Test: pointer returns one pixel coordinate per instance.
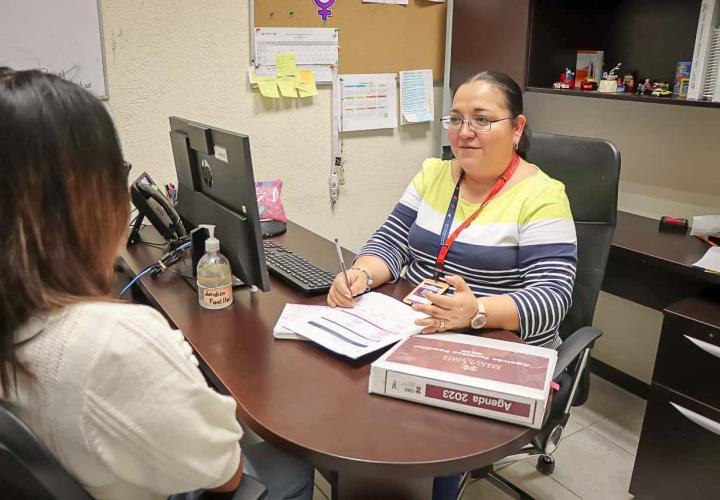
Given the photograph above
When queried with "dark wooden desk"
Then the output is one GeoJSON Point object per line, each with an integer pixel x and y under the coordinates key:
{"type": "Point", "coordinates": [651, 268]}
{"type": "Point", "coordinates": [316, 405]}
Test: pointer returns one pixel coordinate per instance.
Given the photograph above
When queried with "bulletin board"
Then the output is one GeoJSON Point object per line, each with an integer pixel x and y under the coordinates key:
{"type": "Point", "coordinates": [374, 38]}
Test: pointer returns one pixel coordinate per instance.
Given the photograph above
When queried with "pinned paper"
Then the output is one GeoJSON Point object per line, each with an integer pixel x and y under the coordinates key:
{"type": "Point", "coordinates": [286, 64]}
{"type": "Point", "coordinates": [416, 96]}
{"type": "Point", "coordinates": [287, 86]}
{"type": "Point", "coordinates": [251, 75]}
{"type": "Point", "coordinates": [268, 86]}
{"type": "Point", "coordinates": [305, 83]}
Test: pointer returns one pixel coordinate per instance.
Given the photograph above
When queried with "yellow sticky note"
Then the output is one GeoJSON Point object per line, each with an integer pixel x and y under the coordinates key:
{"type": "Point", "coordinates": [287, 86]}
{"type": "Point", "coordinates": [305, 83]}
{"type": "Point", "coordinates": [268, 86]}
{"type": "Point", "coordinates": [251, 75]}
{"type": "Point", "coordinates": [285, 64]}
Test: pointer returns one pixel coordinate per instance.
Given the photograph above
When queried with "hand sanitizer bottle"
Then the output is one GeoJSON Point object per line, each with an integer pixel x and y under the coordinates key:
{"type": "Point", "coordinates": [214, 278]}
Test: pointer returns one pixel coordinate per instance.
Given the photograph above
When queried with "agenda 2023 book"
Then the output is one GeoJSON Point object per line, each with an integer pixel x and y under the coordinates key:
{"type": "Point", "coordinates": [507, 381]}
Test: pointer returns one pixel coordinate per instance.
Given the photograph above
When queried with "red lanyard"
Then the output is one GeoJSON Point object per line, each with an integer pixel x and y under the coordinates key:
{"type": "Point", "coordinates": [449, 240]}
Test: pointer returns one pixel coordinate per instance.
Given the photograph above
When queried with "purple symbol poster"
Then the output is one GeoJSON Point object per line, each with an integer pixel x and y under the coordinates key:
{"type": "Point", "coordinates": [324, 7]}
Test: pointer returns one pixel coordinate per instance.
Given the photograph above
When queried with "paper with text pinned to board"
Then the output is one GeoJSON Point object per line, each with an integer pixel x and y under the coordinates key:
{"type": "Point", "coordinates": [310, 45]}
{"type": "Point", "coordinates": [287, 86]}
{"type": "Point", "coordinates": [416, 96]}
{"type": "Point", "coordinates": [376, 321]}
{"type": "Point", "coordinates": [368, 101]}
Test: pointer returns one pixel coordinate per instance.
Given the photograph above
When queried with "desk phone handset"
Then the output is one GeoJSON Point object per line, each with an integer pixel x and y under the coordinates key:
{"type": "Point", "coordinates": [150, 202]}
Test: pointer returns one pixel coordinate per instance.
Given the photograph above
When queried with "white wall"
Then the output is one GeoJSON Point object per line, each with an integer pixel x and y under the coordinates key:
{"type": "Point", "coordinates": [670, 166]}
{"type": "Point", "coordinates": [190, 59]}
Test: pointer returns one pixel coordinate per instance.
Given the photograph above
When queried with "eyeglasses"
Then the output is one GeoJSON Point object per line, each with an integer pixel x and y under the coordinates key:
{"type": "Point", "coordinates": [478, 123]}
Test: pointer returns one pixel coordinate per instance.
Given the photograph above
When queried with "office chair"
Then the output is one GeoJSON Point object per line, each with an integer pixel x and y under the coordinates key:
{"type": "Point", "coordinates": [29, 470]}
{"type": "Point", "coordinates": [590, 170]}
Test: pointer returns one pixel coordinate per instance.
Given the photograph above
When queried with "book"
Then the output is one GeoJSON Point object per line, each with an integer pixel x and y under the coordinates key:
{"type": "Point", "coordinates": [708, 19]}
{"type": "Point", "coordinates": [375, 322]}
{"type": "Point", "coordinates": [589, 63]}
{"type": "Point", "coordinates": [503, 380]}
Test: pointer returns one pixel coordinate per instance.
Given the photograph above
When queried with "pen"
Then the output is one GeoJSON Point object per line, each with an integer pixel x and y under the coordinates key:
{"type": "Point", "coordinates": [342, 264]}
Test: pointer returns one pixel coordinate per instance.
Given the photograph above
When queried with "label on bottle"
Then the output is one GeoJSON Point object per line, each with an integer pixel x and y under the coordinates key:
{"type": "Point", "coordinates": [216, 297]}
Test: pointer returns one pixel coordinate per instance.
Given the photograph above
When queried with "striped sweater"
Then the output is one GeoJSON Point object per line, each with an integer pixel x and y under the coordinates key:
{"type": "Point", "coordinates": [522, 244]}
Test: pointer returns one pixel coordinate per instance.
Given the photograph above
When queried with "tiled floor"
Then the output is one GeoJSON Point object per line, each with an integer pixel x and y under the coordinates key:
{"type": "Point", "coordinates": [594, 459]}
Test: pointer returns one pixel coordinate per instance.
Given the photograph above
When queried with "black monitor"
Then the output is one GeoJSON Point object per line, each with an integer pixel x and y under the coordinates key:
{"type": "Point", "coordinates": [216, 186]}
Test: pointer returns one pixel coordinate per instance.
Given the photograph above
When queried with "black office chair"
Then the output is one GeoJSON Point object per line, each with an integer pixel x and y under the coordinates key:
{"type": "Point", "coordinates": [590, 170]}
{"type": "Point", "coordinates": [29, 470]}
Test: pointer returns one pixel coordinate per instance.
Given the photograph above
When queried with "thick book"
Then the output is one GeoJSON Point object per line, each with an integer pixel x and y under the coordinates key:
{"type": "Point", "coordinates": [507, 381]}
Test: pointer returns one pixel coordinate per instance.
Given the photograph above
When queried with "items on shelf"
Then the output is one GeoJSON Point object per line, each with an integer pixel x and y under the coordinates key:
{"type": "Point", "coordinates": [588, 67]}
{"type": "Point", "coordinates": [609, 82]}
{"type": "Point", "coordinates": [682, 78]}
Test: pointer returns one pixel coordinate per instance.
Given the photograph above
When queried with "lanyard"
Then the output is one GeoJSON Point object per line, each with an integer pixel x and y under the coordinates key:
{"type": "Point", "coordinates": [447, 241]}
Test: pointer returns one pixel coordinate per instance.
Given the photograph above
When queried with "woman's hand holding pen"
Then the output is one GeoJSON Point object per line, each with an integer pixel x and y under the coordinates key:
{"type": "Point", "coordinates": [448, 311]}
{"type": "Point", "coordinates": [339, 295]}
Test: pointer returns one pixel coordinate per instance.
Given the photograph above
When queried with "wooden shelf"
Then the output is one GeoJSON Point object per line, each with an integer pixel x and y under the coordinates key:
{"type": "Point", "coordinates": [680, 101]}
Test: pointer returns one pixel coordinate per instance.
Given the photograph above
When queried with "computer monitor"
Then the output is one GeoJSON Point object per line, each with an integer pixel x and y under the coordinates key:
{"type": "Point", "coordinates": [216, 186]}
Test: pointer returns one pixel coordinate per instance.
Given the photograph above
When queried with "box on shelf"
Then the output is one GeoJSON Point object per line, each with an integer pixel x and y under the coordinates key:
{"type": "Point", "coordinates": [589, 63]}
{"type": "Point", "coordinates": [507, 381]}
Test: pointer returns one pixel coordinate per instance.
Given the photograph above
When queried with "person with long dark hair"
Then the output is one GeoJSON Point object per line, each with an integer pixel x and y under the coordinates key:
{"type": "Point", "coordinates": [109, 387]}
{"type": "Point", "coordinates": [491, 224]}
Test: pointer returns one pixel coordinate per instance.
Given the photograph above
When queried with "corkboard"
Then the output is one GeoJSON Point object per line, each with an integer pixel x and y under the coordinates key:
{"type": "Point", "coordinates": [374, 38]}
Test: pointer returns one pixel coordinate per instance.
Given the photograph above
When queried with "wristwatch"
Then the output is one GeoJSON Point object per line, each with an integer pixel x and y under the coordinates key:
{"type": "Point", "coordinates": [368, 279]}
{"type": "Point", "coordinates": [480, 319]}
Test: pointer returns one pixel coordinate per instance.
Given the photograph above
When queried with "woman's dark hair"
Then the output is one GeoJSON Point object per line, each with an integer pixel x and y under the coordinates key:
{"type": "Point", "coordinates": [513, 99]}
{"type": "Point", "coordinates": [64, 203]}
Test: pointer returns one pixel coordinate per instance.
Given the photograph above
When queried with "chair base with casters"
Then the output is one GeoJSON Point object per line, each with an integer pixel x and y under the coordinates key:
{"type": "Point", "coordinates": [571, 369]}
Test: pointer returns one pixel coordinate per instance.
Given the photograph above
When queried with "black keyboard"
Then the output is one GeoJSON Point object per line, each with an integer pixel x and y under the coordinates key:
{"type": "Point", "coordinates": [295, 270]}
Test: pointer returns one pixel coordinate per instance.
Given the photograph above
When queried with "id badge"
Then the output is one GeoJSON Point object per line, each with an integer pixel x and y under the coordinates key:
{"type": "Point", "coordinates": [417, 296]}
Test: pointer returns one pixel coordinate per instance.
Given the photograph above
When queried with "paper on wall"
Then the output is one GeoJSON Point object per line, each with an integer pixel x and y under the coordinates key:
{"type": "Point", "coordinates": [310, 45]}
{"type": "Point", "coordinates": [285, 64]}
{"type": "Point", "coordinates": [305, 83]}
{"type": "Point", "coordinates": [287, 86]}
{"type": "Point", "coordinates": [322, 74]}
{"type": "Point", "coordinates": [368, 101]}
{"type": "Point", "coordinates": [416, 96]}
{"type": "Point", "coordinates": [268, 86]}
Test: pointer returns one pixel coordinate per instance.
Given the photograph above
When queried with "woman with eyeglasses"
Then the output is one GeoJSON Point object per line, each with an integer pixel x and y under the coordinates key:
{"type": "Point", "coordinates": [112, 391]}
{"type": "Point", "coordinates": [489, 223]}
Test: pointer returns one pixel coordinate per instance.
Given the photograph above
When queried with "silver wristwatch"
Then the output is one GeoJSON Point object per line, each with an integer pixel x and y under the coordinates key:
{"type": "Point", "coordinates": [480, 319]}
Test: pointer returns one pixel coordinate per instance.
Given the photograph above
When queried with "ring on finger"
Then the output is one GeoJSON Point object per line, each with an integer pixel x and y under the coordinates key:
{"type": "Point", "coordinates": [441, 323]}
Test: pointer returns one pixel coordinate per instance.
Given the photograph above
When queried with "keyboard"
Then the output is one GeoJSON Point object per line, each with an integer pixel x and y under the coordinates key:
{"type": "Point", "coordinates": [295, 270]}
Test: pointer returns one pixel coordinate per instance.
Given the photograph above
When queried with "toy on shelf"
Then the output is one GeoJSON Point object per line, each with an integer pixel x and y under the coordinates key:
{"type": "Point", "coordinates": [567, 80]}
{"type": "Point", "coordinates": [609, 82]}
{"type": "Point", "coordinates": [589, 84]}
{"type": "Point", "coordinates": [629, 83]}
{"type": "Point", "coordinates": [661, 90]}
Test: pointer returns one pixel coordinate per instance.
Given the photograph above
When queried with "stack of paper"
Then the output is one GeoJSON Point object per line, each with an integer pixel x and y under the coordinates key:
{"type": "Point", "coordinates": [376, 321]}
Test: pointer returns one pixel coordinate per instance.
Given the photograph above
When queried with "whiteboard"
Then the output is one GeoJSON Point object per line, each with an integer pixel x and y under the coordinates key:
{"type": "Point", "coordinates": [63, 37]}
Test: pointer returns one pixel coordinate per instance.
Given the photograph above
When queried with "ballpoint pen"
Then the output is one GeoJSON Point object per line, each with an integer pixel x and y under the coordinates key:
{"type": "Point", "coordinates": [342, 264]}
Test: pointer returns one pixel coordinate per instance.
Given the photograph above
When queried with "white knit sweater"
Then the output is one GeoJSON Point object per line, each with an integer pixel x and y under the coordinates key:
{"type": "Point", "coordinates": [118, 399]}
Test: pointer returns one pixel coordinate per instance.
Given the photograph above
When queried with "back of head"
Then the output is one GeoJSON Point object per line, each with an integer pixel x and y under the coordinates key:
{"type": "Point", "coordinates": [63, 200]}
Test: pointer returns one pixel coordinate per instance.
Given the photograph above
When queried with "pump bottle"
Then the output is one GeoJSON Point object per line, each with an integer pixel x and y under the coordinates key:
{"type": "Point", "coordinates": [214, 277]}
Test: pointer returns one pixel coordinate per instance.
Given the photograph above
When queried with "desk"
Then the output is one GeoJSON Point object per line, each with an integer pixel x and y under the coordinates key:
{"type": "Point", "coordinates": [316, 405]}
{"type": "Point", "coordinates": [651, 268]}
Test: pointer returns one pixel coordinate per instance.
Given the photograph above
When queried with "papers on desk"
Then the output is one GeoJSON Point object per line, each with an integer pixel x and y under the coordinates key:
{"type": "Point", "coordinates": [703, 225]}
{"type": "Point", "coordinates": [711, 260]}
{"type": "Point", "coordinates": [375, 322]}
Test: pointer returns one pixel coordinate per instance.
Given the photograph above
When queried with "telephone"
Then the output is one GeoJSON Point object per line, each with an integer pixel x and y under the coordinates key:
{"type": "Point", "coordinates": [150, 202]}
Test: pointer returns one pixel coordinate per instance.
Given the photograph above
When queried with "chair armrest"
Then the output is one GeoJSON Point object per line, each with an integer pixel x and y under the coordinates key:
{"type": "Point", "coordinates": [573, 346]}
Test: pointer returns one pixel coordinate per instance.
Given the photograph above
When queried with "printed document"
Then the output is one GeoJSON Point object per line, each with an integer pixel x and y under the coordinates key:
{"type": "Point", "coordinates": [310, 45]}
{"type": "Point", "coordinates": [368, 101]}
{"type": "Point", "coordinates": [711, 260]}
{"type": "Point", "coordinates": [295, 312]}
{"type": "Point", "coordinates": [375, 322]}
{"type": "Point", "coordinates": [416, 96]}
